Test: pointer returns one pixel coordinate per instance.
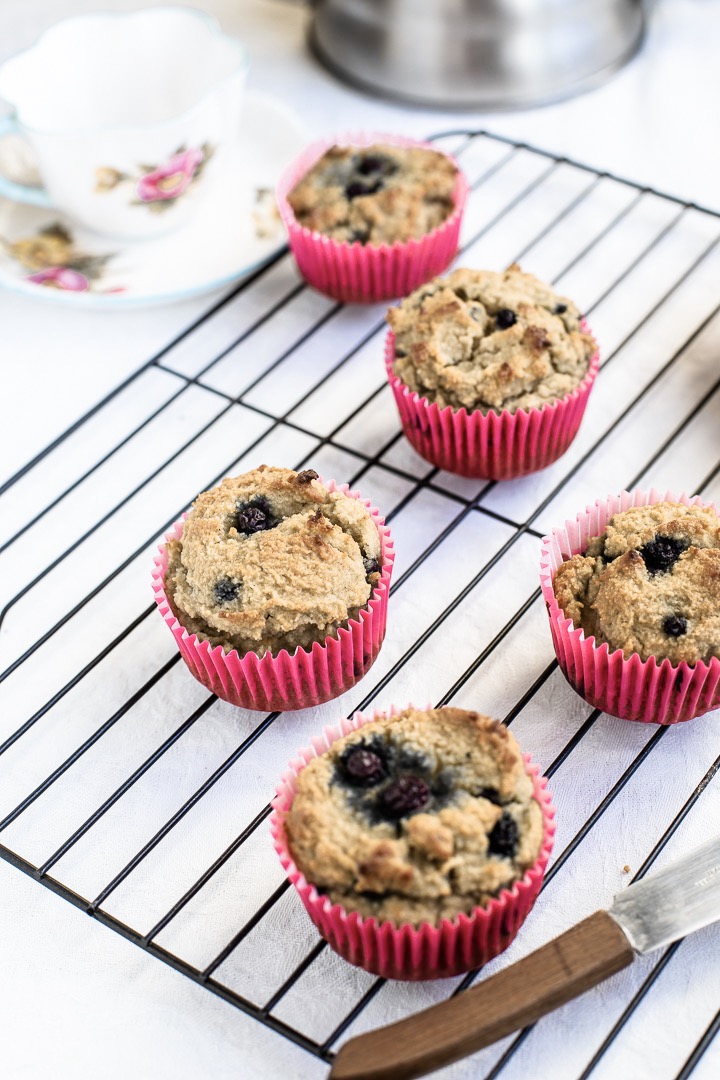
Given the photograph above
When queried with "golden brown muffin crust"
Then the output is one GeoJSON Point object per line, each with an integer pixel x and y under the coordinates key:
{"type": "Point", "coordinates": [489, 341]}
{"type": "Point", "coordinates": [271, 560]}
{"type": "Point", "coordinates": [416, 817]}
{"type": "Point", "coordinates": [377, 194]}
{"type": "Point", "coordinates": [650, 584]}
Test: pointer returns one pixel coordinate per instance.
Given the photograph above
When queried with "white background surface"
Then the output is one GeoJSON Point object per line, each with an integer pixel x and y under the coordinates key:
{"type": "Point", "coordinates": [75, 999]}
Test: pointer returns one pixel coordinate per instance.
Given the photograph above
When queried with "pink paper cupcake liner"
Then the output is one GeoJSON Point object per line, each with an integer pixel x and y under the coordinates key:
{"type": "Point", "coordinates": [363, 273]}
{"type": "Point", "coordinates": [496, 446]}
{"type": "Point", "coordinates": [406, 951]}
{"type": "Point", "coordinates": [299, 680]}
{"type": "Point", "coordinates": [650, 691]}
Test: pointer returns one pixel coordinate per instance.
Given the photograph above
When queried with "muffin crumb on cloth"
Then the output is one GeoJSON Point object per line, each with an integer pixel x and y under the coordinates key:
{"type": "Point", "coordinates": [272, 560]}
{"type": "Point", "coordinates": [416, 817]}
{"type": "Point", "coordinates": [489, 341]}
{"type": "Point", "coordinates": [649, 584]}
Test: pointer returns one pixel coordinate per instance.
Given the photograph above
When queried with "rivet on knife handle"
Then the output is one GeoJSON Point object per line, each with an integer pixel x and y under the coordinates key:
{"type": "Point", "coordinates": [568, 965]}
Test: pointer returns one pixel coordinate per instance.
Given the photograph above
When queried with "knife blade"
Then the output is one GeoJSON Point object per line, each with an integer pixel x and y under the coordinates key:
{"type": "Point", "coordinates": [655, 911]}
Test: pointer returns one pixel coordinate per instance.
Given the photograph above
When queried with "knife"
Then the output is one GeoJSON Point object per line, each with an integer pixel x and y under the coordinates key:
{"type": "Point", "coordinates": [648, 914]}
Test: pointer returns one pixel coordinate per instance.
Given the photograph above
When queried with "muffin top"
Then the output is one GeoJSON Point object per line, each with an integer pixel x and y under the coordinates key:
{"type": "Point", "coordinates": [272, 560]}
{"type": "Point", "coordinates": [478, 339]}
{"type": "Point", "coordinates": [650, 584]}
{"type": "Point", "coordinates": [416, 817]}
{"type": "Point", "coordinates": [376, 194]}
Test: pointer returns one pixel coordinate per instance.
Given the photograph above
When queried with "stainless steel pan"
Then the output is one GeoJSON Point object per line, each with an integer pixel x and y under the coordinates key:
{"type": "Point", "coordinates": [476, 53]}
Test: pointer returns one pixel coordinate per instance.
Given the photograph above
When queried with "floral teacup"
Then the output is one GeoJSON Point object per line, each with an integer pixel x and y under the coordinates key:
{"type": "Point", "coordinates": [127, 116]}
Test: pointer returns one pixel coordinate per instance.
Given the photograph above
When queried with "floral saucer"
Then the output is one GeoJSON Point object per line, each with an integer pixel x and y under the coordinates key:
{"type": "Point", "coordinates": [44, 254]}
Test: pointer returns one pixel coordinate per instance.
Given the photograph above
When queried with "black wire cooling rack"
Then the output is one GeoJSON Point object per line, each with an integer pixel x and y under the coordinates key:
{"type": "Point", "coordinates": [130, 792]}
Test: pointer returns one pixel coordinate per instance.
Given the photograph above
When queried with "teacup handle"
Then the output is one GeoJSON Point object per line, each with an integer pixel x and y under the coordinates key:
{"type": "Point", "coordinates": [26, 193]}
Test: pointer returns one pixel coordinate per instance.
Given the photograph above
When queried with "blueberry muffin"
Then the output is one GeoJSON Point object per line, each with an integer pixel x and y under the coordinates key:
{"type": "Point", "coordinates": [378, 194]}
{"type": "Point", "coordinates": [272, 560]}
{"type": "Point", "coordinates": [650, 584]}
{"type": "Point", "coordinates": [416, 817]}
{"type": "Point", "coordinates": [488, 341]}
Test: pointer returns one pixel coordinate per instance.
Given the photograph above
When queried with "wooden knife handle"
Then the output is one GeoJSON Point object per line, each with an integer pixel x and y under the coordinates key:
{"type": "Point", "coordinates": [568, 965]}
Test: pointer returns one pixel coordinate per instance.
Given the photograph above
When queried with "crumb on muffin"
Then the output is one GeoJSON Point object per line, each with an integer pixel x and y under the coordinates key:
{"type": "Point", "coordinates": [272, 560]}
{"type": "Point", "coordinates": [489, 341]}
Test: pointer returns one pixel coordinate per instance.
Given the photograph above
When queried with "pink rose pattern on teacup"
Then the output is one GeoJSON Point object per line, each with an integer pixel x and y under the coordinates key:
{"type": "Point", "coordinates": [159, 186]}
{"type": "Point", "coordinates": [171, 179]}
{"type": "Point", "coordinates": [55, 262]}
